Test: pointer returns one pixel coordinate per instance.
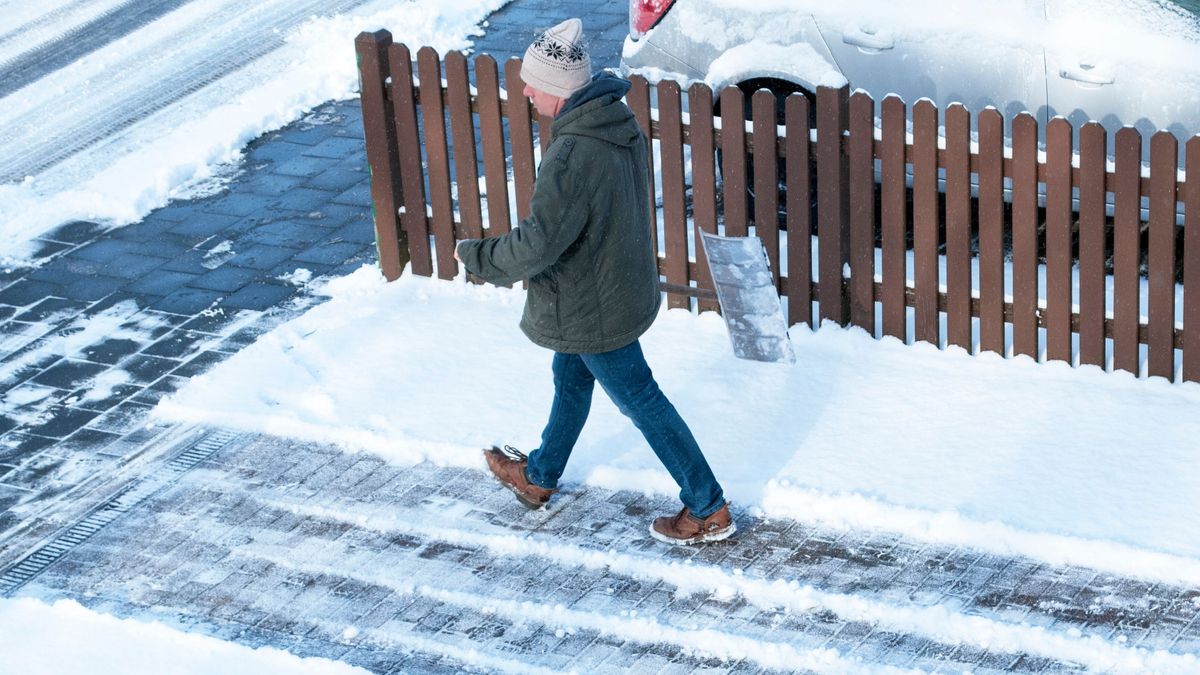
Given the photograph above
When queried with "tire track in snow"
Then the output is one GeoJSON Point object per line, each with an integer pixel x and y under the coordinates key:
{"type": "Point", "coordinates": [164, 62]}
{"type": "Point", "coordinates": [80, 41]}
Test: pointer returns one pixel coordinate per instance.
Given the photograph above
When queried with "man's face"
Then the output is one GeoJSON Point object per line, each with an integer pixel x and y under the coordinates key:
{"type": "Point", "coordinates": [546, 104]}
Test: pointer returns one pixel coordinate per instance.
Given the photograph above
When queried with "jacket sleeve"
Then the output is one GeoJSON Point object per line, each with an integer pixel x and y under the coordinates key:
{"type": "Point", "coordinates": [558, 213]}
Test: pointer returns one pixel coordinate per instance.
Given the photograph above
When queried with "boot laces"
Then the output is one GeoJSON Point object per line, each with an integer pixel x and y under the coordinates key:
{"type": "Point", "coordinates": [514, 453]}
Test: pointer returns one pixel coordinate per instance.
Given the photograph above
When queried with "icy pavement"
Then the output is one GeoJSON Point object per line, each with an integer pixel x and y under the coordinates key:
{"type": "Point", "coordinates": [318, 552]}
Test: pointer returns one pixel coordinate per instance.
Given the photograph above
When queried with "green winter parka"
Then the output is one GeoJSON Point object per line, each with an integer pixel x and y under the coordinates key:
{"type": "Point", "coordinates": [585, 247]}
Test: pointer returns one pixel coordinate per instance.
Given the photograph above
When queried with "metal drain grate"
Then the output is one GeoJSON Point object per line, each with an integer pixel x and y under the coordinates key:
{"type": "Point", "coordinates": [33, 564]}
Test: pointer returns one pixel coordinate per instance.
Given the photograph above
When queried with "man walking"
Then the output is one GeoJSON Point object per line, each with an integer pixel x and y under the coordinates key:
{"type": "Point", "coordinates": [593, 284]}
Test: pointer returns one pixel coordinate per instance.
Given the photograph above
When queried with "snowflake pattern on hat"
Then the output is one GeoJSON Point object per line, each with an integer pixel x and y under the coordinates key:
{"type": "Point", "coordinates": [557, 50]}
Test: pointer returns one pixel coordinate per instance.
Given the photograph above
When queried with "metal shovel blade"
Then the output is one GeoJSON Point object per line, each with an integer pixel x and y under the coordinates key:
{"type": "Point", "coordinates": [749, 300]}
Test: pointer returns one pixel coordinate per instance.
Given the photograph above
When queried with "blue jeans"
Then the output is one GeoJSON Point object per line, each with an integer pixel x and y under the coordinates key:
{"type": "Point", "coordinates": [627, 380]}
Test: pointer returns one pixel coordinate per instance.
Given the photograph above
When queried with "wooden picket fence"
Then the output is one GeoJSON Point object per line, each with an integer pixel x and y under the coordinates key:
{"type": "Point", "coordinates": [875, 193]}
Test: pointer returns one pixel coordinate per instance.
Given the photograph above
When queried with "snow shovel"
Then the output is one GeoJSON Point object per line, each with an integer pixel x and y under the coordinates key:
{"type": "Point", "coordinates": [749, 300]}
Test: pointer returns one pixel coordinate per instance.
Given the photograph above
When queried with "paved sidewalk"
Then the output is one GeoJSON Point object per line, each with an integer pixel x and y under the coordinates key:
{"type": "Point", "coordinates": [428, 569]}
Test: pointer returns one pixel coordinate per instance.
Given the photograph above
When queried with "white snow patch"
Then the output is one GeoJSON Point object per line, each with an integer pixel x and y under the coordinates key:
{"type": "Point", "coordinates": [45, 639]}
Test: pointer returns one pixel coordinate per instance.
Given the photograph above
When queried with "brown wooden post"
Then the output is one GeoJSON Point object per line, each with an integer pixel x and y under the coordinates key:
{"type": "Point", "coordinates": [638, 99]}
{"type": "Point", "coordinates": [412, 173]}
{"type": "Point", "coordinates": [704, 182]}
{"type": "Point", "coordinates": [799, 210]}
{"type": "Point", "coordinates": [1058, 240]}
{"type": "Point", "coordinates": [1126, 251]}
{"type": "Point", "coordinates": [462, 131]}
{"type": "Point", "coordinates": [861, 152]}
{"type": "Point", "coordinates": [520, 130]}
{"type": "Point", "coordinates": [958, 226]}
{"type": "Point", "coordinates": [1093, 144]}
{"type": "Point", "coordinates": [925, 222]}
{"type": "Point", "coordinates": [1025, 236]}
{"type": "Point", "coordinates": [733, 161]}
{"type": "Point", "coordinates": [1164, 160]}
{"type": "Point", "coordinates": [437, 162]}
{"type": "Point", "coordinates": [1191, 265]}
{"type": "Point", "coordinates": [670, 129]}
{"type": "Point", "coordinates": [833, 202]}
{"type": "Point", "coordinates": [766, 177]}
{"type": "Point", "coordinates": [491, 130]}
{"type": "Point", "coordinates": [894, 217]}
{"type": "Point", "coordinates": [379, 127]}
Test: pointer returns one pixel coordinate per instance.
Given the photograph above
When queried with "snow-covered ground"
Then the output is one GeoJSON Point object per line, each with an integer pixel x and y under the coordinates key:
{"type": "Point", "coordinates": [99, 644]}
{"type": "Point", "coordinates": [1067, 465]}
{"type": "Point", "coordinates": [161, 111]}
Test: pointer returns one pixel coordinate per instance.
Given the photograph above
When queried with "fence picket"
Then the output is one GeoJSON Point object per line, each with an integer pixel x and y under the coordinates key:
{"type": "Point", "coordinates": [1191, 265]}
{"type": "Point", "coordinates": [833, 221]}
{"type": "Point", "coordinates": [638, 99]}
{"type": "Point", "coordinates": [1025, 236]}
{"type": "Point", "coordinates": [491, 131]}
{"type": "Point", "coordinates": [799, 210]}
{"type": "Point", "coordinates": [766, 177]}
{"type": "Point", "coordinates": [462, 133]}
{"type": "Point", "coordinates": [670, 129]}
{"type": "Point", "coordinates": [1126, 253]}
{"type": "Point", "coordinates": [1164, 158]}
{"type": "Point", "coordinates": [383, 155]}
{"type": "Point", "coordinates": [412, 175]}
{"type": "Point", "coordinates": [862, 211]}
{"type": "Point", "coordinates": [958, 226]}
{"type": "Point", "coordinates": [520, 137]}
{"type": "Point", "coordinates": [733, 161]}
{"type": "Point", "coordinates": [1058, 240]}
{"type": "Point", "coordinates": [991, 231]}
{"type": "Point", "coordinates": [704, 185]}
{"type": "Point", "coordinates": [894, 213]}
{"type": "Point", "coordinates": [1093, 143]}
{"type": "Point", "coordinates": [925, 221]}
{"type": "Point", "coordinates": [437, 162]}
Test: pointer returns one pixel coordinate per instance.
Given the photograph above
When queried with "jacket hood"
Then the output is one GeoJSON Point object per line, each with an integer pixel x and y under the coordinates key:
{"type": "Point", "coordinates": [597, 111]}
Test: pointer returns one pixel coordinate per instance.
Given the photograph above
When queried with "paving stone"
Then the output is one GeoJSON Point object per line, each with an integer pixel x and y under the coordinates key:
{"type": "Point", "coordinates": [122, 419]}
{"type": "Point", "coordinates": [70, 374]}
{"type": "Point", "coordinates": [330, 252]}
{"type": "Point", "coordinates": [146, 369]}
{"type": "Point", "coordinates": [226, 278]}
{"type": "Point", "coordinates": [179, 343]}
{"type": "Point", "coordinates": [92, 288]}
{"type": "Point", "coordinates": [336, 148]}
{"type": "Point", "coordinates": [102, 399]}
{"type": "Point", "coordinates": [286, 234]}
{"type": "Point", "coordinates": [336, 180]}
{"type": "Point", "coordinates": [358, 195]}
{"type": "Point", "coordinates": [258, 296]}
{"type": "Point", "coordinates": [162, 282]}
{"type": "Point", "coordinates": [130, 265]}
{"type": "Point", "coordinates": [24, 293]}
{"type": "Point", "coordinates": [205, 224]}
{"type": "Point", "coordinates": [187, 301]}
{"type": "Point", "coordinates": [61, 421]}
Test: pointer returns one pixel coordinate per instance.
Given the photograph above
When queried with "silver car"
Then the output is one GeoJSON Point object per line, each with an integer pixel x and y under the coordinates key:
{"type": "Point", "coordinates": [1120, 62]}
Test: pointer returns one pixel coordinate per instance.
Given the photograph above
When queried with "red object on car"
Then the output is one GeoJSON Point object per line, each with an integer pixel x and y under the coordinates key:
{"type": "Point", "coordinates": [644, 14]}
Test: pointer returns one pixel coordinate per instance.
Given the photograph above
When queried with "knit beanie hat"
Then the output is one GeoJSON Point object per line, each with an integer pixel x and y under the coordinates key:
{"type": "Point", "coordinates": [556, 62]}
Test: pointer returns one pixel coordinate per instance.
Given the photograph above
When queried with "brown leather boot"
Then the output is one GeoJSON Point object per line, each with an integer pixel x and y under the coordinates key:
{"type": "Point", "coordinates": [683, 528]}
{"type": "Point", "coordinates": [508, 465]}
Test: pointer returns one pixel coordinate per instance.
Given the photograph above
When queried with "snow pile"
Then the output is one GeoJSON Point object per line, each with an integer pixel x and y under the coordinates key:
{"type": "Point", "coordinates": [1074, 466]}
{"type": "Point", "coordinates": [134, 170]}
{"type": "Point", "coordinates": [65, 637]}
